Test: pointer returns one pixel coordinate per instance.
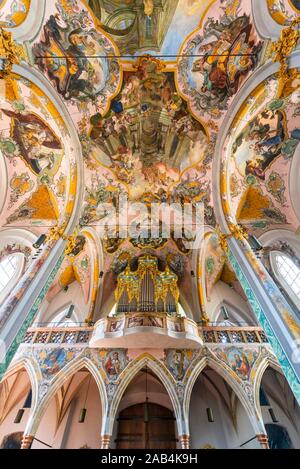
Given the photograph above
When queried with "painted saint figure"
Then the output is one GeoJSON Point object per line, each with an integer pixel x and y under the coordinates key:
{"type": "Point", "coordinates": [113, 365]}
{"type": "Point", "coordinates": [37, 142]}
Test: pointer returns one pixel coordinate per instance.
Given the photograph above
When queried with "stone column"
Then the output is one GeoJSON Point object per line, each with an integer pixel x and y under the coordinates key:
{"type": "Point", "coordinates": [274, 314]}
{"type": "Point", "coordinates": [184, 441]}
{"type": "Point", "coordinates": [263, 440]}
{"type": "Point", "coordinates": [19, 311]}
{"type": "Point", "coordinates": [27, 441]}
{"type": "Point", "coordinates": [105, 441]}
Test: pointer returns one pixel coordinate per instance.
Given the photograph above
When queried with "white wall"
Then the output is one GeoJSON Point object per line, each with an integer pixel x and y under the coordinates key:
{"type": "Point", "coordinates": [73, 295]}
{"type": "Point", "coordinates": [222, 293]}
{"type": "Point", "coordinates": [229, 430]}
{"type": "Point", "coordinates": [19, 387]}
{"type": "Point", "coordinates": [70, 434]}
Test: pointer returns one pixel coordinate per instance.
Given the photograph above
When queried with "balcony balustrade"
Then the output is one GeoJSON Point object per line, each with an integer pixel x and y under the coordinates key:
{"type": "Point", "coordinates": [143, 330]}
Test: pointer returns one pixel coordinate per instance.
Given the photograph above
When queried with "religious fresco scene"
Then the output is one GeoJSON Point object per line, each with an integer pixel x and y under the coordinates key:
{"type": "Point", "coordinates": [149, 224]}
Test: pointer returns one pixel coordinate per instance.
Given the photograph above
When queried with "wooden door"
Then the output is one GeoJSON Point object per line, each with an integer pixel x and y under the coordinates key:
{"type": "Point", "coordinates": [146, 428]}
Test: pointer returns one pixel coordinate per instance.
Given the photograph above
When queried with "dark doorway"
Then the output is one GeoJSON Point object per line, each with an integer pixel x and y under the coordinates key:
{"type": "Point", "coordinates": [12, 441]}
{"type": "Point", "coordinates": [278, 437]}
{"type": "Point", "coordinates": [146, 426]}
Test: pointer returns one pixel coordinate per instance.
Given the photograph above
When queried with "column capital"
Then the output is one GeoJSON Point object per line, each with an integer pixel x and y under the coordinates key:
{"type": "Point", "coordinates": [27, 441]}
{"type": "Point", "coordinates": [263, 440]}
{"type": "Point", "coordinates": [105, 441]}
{"type": "Point", "coordinates": [184, 441]}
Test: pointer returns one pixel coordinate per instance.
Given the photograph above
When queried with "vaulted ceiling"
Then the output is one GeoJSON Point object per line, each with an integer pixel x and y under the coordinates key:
{"type": "Point", "coordinates": [129, 99]}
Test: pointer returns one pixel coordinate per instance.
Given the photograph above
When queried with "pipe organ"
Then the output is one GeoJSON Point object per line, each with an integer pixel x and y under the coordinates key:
{"type": "Point", "coordinates": [147, 289]}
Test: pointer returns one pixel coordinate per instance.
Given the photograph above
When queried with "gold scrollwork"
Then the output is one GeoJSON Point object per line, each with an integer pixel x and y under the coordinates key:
{"type": "Point", "coordinates": [237, 231]}
{"type": "Point", "coordinates": [71, 242]}
{"type": "Point", "coordinates": [55, 233]}
{"type": "Point", "coordinates": [10, 52]}
{"type": "Point", "coordinates": [284, 46]}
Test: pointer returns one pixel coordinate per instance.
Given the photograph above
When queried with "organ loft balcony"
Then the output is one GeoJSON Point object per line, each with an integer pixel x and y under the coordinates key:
{"type": "Point", "coordinates": [146, 315]}
{"type": "Point", "coordinates": [147, 310]}
{"type": "Point", "coordinates": [146, 330]}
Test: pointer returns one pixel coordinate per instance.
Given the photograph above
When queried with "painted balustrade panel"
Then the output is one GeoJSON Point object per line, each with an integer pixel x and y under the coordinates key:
{"type": "Point", "coordinates": [226, 335]}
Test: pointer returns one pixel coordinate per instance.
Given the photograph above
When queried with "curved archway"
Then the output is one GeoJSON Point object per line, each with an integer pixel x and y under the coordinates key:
{"type": "Point", "coordinates": [278, 436]}
{"type": "Point", "coordinates": [217, 417]}
{"type": "Point", "coordinates": [222, 373]}
{"type": "Point", "coordinates": [76, 283]}
{"type": "Point", "coordinates": [61, 319]}
{"type": "Point", "coordinates": [162, 374]}
{"type": "Point", "coordinates": [18, 399]}
{"type": "Point", "coordinates": [145, 417]}
{"type": "Point", "coordinates": [59, 420]}
{"type": "Point", "coordinates": [272, 237]}
{"type": "Point", "coordinates": [236, 315]}
{"type": "Point", "coordinates": [277, 405]}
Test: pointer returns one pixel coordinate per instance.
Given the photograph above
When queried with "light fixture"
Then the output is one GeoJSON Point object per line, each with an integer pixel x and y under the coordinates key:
{"type": "Point", "coordinates": [41, 239]}
{"type": "Point", "coordinates": [210, 415]}
{"type": "Point", "coordinates": [224, 312]}
{"type": "Point", "coordinates": [70, 311]}
{"type": "Point", "coordinates": [254, 243]}
{"type": "Point", "coordinates": [273, 416]}
{"type": "Point", "coordinates": [19, 416]}
{"type": "Point", "coordinates": [82, 413]}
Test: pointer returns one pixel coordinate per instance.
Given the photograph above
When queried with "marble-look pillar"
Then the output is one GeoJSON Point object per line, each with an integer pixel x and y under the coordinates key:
{"type": "Point", "coordinates": [27, 441]}
{"type": "Point", "coordinates": [184, 441]}
{"type": "Point", "coordinates": [23, 305]}
{"type": "Point", "coordinates": [263, 440]}
{"type": "Point", "coordinates": [278, 320]}
{"type": "Point", "coordinates": [105, 441]}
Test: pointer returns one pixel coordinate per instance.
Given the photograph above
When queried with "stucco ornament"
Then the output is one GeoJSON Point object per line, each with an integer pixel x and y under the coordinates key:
{"type": "Point", "coordinates": [10, 53]}
{"type": "Point", "coordinates": [282, 48]}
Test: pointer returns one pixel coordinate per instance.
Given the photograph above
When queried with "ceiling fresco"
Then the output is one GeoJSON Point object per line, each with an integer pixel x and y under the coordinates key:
{"type": "Point", "coordinates": [75, 268]}
{"type": "Point", "coordinates": [79, 61]}
{"type": "Point", "coordinates": [217, 58]}
{"type": "Point", "coordinates": [283, 12]}
{"type": "Point", "coordinates": [146, 85]}
{"type": "Point", "coordinates": [149, 26]}
{"type": "Point", "coordinates": [13, 13]}
{"type": "Point", "coordinates": [262, 143]}
{"type": "Point", "coordinates": [32, 143]}
{"type": "Point", "coordinates": [148, 138]}
{"type": "Point", "coordinates": [218, 268]}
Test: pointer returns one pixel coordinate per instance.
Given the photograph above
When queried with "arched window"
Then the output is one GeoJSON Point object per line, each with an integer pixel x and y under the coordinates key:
{"type": "Point", "coordinates": [11, 268]}
{"type": "Point", "coordinates": [7, 270]}
{"type": "Point", "coordinates": [287, 273]}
